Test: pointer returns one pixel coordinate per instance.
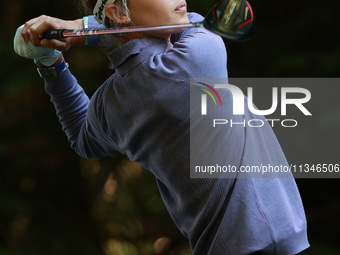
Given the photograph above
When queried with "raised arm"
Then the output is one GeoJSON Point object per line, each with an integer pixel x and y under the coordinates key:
{"type": "Point", "coordinates": [77, 117]}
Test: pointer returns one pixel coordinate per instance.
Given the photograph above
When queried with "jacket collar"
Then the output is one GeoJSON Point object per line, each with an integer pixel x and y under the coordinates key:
{"type": "Point", "coordinates": [143, 47]}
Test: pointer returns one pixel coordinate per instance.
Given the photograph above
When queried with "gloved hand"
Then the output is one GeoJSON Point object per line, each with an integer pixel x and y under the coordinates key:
{"type": "Point", "coordinates": [45, 56]}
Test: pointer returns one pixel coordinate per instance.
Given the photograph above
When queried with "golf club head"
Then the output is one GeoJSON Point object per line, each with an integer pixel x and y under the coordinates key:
{"type": "Point", "coordinates": [231, 19]}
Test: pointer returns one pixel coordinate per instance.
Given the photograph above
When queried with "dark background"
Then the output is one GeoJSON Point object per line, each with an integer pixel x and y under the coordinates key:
{"type": "Point", "coordinates": [54, 202]}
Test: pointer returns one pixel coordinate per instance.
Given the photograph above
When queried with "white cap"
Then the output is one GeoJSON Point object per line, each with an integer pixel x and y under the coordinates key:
{"type": "Point", "coordinates": [99, 10]}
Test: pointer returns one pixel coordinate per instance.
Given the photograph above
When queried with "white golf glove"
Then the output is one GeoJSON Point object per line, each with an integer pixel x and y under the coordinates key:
{"type": "Point", "coordinates": [45, 56]}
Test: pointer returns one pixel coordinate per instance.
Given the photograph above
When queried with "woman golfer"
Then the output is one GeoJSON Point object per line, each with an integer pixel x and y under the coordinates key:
{"type": "Point", "coordinates": [142, 111]}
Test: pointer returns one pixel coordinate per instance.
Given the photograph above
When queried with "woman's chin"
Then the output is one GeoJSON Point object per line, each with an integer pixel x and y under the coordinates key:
{"type": "Point", "coordinates": [182, 18]}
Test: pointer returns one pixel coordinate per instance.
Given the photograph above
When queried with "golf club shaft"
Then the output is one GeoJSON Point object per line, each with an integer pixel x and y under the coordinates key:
{"type": "Point", "coordinates": [63, 33]}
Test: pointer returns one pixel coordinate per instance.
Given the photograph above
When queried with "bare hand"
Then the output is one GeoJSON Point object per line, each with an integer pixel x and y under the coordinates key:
{"type": "Point", "coordinates": [34, 30]}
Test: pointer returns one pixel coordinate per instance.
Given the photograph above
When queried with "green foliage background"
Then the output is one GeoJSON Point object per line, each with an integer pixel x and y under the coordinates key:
{"type": "Point", "coordinates": [54, 202]}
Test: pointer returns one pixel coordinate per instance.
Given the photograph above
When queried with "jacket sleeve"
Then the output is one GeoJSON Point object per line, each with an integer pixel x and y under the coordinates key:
{"type": "Point", "coordinates": [78, 117]}
{"type": "Point", "coordinates": [198, 53]}
{"type": "Point", "coordinates": [106, 40]}
{"type": "Point", "coordinates": [193, 18]}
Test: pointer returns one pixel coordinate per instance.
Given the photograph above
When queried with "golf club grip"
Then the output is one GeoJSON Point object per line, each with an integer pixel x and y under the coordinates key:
{"type": "Point", "coordinates": [54, 34]}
